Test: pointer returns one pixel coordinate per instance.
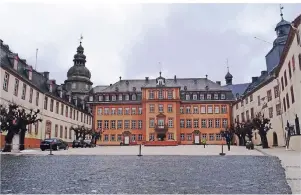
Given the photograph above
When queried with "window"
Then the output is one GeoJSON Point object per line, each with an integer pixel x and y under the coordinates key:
{"type": "Point", "coordinates": [118, 137]}
{"type": "Point", "coordinates": [292, 95]}
{"type": "Point", "coordinates": [119, 111]}
{"type": "Point", "coordinates": [56, 130]}
{"type": "Point", "coordinates": [242, 103]}
{"type": "Point", "coordinates": [271, 112]}
{"type": "Point", "coordinates": [269, 95]}
{"type": "Point", "coordinates": [169, 108]}
{"type": "Point", "coordinates": [202, 96]}
{"type": "Point", "coordinates": [133, 111]}
{"type": "Point", "coordinates": [210, 123]}
{"type": "Point", "coordinates": [242, 117]}
{"type": "Point", "coordinates": [246, 100]}
{"type": "Point", "coordinates": [170, 122]}
{"type": "Point", "coordinates": [247, 115]}
{"type": "Point", "coordinates": [236, 106]}
{"type": "Point", "coordinates": [217, 123]}
{"type": "Point", "coordinates": [287, 101]}
{"type": "Point", "coordinates": [208, 96]}
{"type": "Point", "coordinates": [127, 111]}
{"type": "Point", "coordinates": [140, 137]}
{"type": "Point", "coordinates": [139, 124]}
{"type": "Point", "coordinates": [218, 137]}
{"type": "Point", "coordinates": [6, 81]}
{"type": "Point", "coordinates": [189, 137]}
{"type": "Point", "coordinates": [195, 110]}
{"type": "Point", "coordinates": [204, 123]}
{"type": "Point", "coordinates": [160, 94]}
{"type": "Point", "coordinates": [196, 123]}
{"type": "Point", "coordinates": [282, 83]}
{"type": "Point", "coordinates": [151, 123]}
{"type": "Point", "coordinates": [211, 136]}
{"type": "Point", "coordinates": [66, 132]}
{"type": "Point", "coordinates": [23, 91]}
{"type": "Point", "coordinates": [134, 97]}
{"type": "Point", "coordinates": [170, 136]}
{"type": "Point", "coordinates": [57, 106]}
{"type": "Point", "coordinates": [187, 97]}
{"type": "Point", "coordinates": [300, 61]}
{"type": "Point", "coordinates": [258, 100]}
{"type": "Point", "coordinates": [107, 98]}
{"type": "Point", "coordinates": [107, 111]}
{"type": "Point", "coordinates": [188, 110]}
{"type": "Point", "coordinates": [37, 98]}
{"type": "Point", "coordinates": [289, 70]}
{"type": "Point", "coordinates": [100, 98]}
{"type": "Point", "coordinates": [139, 110]}
{"type": "Point", "coordinates": [113, 124]}
{"type": "Point", "coordinates": [127, 97]}
{"type": "Point", "coordinates": [223, 96]}
{"type": "Point", "coordinates": [203, 109]}
{"type": "Point", "coordinates": [61, 131]}
{"type": "Point", "coordinates": [151, 95]}
{"type": "Point", "coordinates": [45, 103]}
{"type": "Point", "coordinates": [182, 136]}
{"type": "Point", "coordinates": [224, 109]}
{"type": "Point", "coordinates": [188, 123]}
{"type": "Point", "coordinates": [276, 91]}
{"type": "Point", "coordinates": [182, 123]}
{"type": "Point", "coordinates": [161, 108]}
{"type": "Point", "coordinates": [151, 136]}
{"type": "Point", "coordinates": [113, 111]}
{"type": "Point", "coordinates": [151, 108]}
{"type": "Point", "coordinates": [216, 109]}
{"type": "Point", "coordinates": [195, 97]}
{"type": "Point", "coordinates": [99, 111]}
{"type": "Point", "coordinates": [90, 98]}
{"type": "Point", "coordinates": [106, 124]}
{"type": "Point", "coordinates": [285, 78]}
{"type": "Point", "coordinates": [170, 95]}
{"type": "Point", "coordinates": [16, 89]}
{"type": "Point", "coordinates": [99, 124]}
{"type": "Point", "coordinates": [106, 138]}
{"type": "Point", "coordinates": [284, 104]}
{"type": "Point", "coordinates": [119, 124]}
{"type": "Point", "coordinates": [209, 110]}
{"type": "Point", "coordinates": [134, 124]}
{"type": "Point", "coordinates": [225, 123]}
{"type": "Point", "coordinates": [252, 113]}
{"type": "Point", "coordinates": [278, 109]}
{"type": "Point", "coordinates": [216, 96]}
{"type": "Point", "coordinates": [181, 110]}
{"type": "Point", "coordinates": [51, 105]}
{"type": "Point", "coordinates": [113, 138]}
{"type": "Point", "coordinates": [119, 97]}
{"type": "Point", "coordinates": [204, 136]}
{"type": "Point", "coordinates": [293, 63]}
{"type": "Point", "coordinates": [251, 98]}
{"type": "Point", "coordinates": [114, 98]}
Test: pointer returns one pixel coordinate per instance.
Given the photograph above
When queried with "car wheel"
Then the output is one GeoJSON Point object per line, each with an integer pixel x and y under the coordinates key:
{"type": "Point", "coordinates": [56, 148]}
{"type": "Point", "coordinates": [43, 149]}
{"type": "Point", "coordinates": [67, 147]}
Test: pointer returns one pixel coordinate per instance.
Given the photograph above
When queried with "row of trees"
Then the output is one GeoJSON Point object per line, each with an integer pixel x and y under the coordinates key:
{"type": "Point", "coordinates": [259, 123]}
{"type": "Point", "coordinates": [15, 120]}
{"type": "Point", "coordinates": [81, 132]}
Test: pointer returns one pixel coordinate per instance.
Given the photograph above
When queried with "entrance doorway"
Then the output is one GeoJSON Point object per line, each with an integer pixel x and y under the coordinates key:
{"type": "Point", "coordinates": [161, 136]}
{"type": "Point", "coordinates": [275, 139]}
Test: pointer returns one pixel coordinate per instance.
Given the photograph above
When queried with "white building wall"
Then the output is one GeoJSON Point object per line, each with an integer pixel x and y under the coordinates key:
{"type": "Point", "coordinates": [7, 97]}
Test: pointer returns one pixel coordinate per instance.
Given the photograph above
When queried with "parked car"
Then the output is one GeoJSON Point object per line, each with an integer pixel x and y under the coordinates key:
{"type": "Point", "coordinates": [88, 143]}
{"type": "Point", "coordinates": [55, 143]}
{"type": "Point", "coordinates": [78, 143]}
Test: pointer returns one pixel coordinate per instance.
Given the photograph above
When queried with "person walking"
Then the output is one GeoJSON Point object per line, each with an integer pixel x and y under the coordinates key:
{"type": "Point", "coordinates": [204, 142]}
{"type": "Point", "coordinates": [228, 139]}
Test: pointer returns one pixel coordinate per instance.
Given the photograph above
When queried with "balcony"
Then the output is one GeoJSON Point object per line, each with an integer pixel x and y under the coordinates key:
{"type": "Point", "coordinates": [161, 129]}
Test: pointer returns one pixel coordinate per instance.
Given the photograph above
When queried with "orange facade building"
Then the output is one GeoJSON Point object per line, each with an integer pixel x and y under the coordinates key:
{"type": "Point", "coordinates": [161, 111]}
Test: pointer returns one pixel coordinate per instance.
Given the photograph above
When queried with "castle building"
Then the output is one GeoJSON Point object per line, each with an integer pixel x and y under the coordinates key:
{"type": "Point", "coordinates": [161, 111]}
{"type": "Point", "coordinates": [61, 106]}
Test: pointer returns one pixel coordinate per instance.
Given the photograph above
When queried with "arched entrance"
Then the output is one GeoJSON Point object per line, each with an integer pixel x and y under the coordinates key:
{"type": "Point", "coordinates": [196, 135]}
{"type": "Point", "coordinates": [275, 139]}
{"type": "Point", "coordinates": [48, 130]}
{"type": "Point", "coordinates": [126, 137]}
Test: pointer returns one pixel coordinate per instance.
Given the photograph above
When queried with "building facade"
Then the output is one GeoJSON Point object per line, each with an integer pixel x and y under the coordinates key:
{"type": "Point", "coordinates": [277, 91]}
{"type": "Point", "coordinates": [60, 108]}
{"type": "Point", "coordinates": [172, 111]}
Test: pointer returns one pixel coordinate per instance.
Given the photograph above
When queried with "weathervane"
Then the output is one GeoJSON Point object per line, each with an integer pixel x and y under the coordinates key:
{"type": "Point", "coordinates": [227, 65]}
{"type": "Point", "coordinates": [160, 68]}
{"type": "Point", "coordinates": [81, 38]}
{"type": "Point", "coordinates": [281, 14]}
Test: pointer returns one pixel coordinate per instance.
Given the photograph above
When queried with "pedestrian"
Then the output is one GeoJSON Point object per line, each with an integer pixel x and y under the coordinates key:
{"type": "Point", "coordinates": [228, 139]}
{"type": "Point", "coordinates": [204, 142]}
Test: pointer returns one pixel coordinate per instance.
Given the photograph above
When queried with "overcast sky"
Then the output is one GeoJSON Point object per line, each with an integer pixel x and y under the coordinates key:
{"type": "Point", "coordinates": [190, 40]}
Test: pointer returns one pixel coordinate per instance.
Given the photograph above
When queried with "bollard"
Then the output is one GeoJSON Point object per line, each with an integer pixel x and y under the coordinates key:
{"type": "Point", "coordinates": [50, 149]}
{"type": "Point", "coordinates": [139, 151]}
{"type": "Point", "coordinates": [222, 153]}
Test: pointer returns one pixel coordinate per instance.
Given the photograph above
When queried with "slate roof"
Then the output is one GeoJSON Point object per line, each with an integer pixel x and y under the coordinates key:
{"type": "Point", "coordinates": [191, 84]}
{"type": "Point", "coordinates": [238, 89]}
{"type": "Point", "coordinates": [39, 81]}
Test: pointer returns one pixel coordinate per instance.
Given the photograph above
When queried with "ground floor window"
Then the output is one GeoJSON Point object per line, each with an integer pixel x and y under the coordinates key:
{"type": "Point", "coordinates": [133, 138]}
{"type": "Point", "coordinates": [170, 136]}
{"type": "Point", "coordinates": [151, 137]}
{"type": "Point", "coordinates": [112, 137]}
{"type": "Point", "coordinates": [182, 136]}
{"type": "Point", "coordinates": [118, 137]}
{"type": "Point", "coordinates": [140, 137]}
{"type": "Point", "coordinates": [106, 138]}
{"type": "Point", "coordinates": [204, 136]}
{"type": "Point", "coordinates": [211, 136]}
{"type": "Point", "coordinates": [189, 137]}
{"type": "Point", "coordinates": [218, 136]}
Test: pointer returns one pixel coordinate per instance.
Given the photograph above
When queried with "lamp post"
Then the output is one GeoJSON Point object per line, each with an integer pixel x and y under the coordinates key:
{"type": "Point", "coordinates": [222, 134]}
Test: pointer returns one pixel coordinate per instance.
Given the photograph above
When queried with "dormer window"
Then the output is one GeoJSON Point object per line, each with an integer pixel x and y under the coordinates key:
{"type": "Point", "coordinates": [216, 96]}
{"type": "Point", "coordinates": [187, 97]}
{"type": "Point", "coordinates": [134, 97]}
{"type": "Point", "coordinates": [107, 98]}
{"type": "Point", "coordinates": [195, 97]}
{"type": "Point", "coordinates": [50, 87]}
{"type": "Point", "coordinates": [100, 98]}
{"type": "Point", "coordinates": [202, 96]}
{"type": "Point", "coordinates": [87, 87]}
{"type": "Point", "coordinates": [73, 86]}
{"type": "Point", "coordinates": [223, 96]}
{"type": "Point", "coordinates": [127, 97]}
{"type": "Point", "coordinates": [91, 98]}
{"type": "Point", "coordinates": [120, 97]}
{"type": "Point", "coordinates": [61, 94]}
{"type": "Point", "coordinates": [114, 98]}
{"type": "Point", "coordinates": [160, 81]}
{"type": "Point", "coordinates": [208, 96]}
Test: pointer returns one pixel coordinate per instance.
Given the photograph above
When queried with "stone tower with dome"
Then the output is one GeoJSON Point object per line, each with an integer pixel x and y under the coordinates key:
{"type": "Point", "coordinates": [78, 76]}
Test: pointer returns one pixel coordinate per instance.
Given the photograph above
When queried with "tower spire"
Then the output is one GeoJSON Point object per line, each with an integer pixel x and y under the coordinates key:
{"type": "Point", "coordinates": [281, 14]}
{"type": "Point", "coordinates": [81, 39]}
{"type": "Point", "coordinates": [227, 65]}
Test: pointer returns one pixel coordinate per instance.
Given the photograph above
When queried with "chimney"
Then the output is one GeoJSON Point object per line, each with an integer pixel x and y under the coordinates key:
{"type": "Point", "coordinates": [120, 78]}
{"type": "Point", "coordinates": [110, 84]}
{"type": "Point", "coordinates": [254, 79]}
{"type": "Point", "coordinates": [264, 72]}
{"type": "Point", "coordinates": [146, 79]}
{"type": "Point", "coordinates": [218, 82]}
{"type": "Point", "coordinates": [69, 98]}
{"type": "Point", "coordinates": [46, 75]}
{"type": "Point", "coordinates": [50, 85]}
{"type": "Point", "coordinates": [16, 60]}
{"type": "Point", "coordinates": [1, 42]}
{"type": "Point", "coordinates": [175, 78]}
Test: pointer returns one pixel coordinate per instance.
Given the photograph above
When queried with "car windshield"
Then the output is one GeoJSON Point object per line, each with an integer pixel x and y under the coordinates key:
{"type": "Point", "coordinates": [49, 140]}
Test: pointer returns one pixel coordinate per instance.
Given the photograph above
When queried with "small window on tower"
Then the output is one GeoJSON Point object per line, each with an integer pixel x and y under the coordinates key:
{"type": "Point", "coordinates": [73, 86]}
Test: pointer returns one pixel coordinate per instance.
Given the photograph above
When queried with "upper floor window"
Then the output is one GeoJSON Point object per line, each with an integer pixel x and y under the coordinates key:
{"type": "Point", "coordinates": [292, 95]}
{"type": "Point", "coordinates": [289, 70]}
{"type": "Point", "coordinates": [246, 100]}
{"type": "Point", "coordinates": [107, 98]}
{"type": "Point", "coordinates": [120, 97]}
{"type": "Point", "coordinates": [45, 103]}
{"type": "Point", "coordinates": [293, 63]}
{"type": "Point", "coordinates": [160, 94]}
{"type": "Point", "coordinates": [91, 98]}
{"type": "Point", "coordinates": [16, 89]}
{"type": "Point", "coordinates": [114, 98]}
{"type": "Point", "coordinates": [251, 97]}
{"type": "Point", "coordinates": [100, 98]}
{"type": "Point", "coordinates": [269, 95]}
{"type": "Point", "coordinates": [127, 97]}
{"type": "Point", "coordinates": [160, 108]}
{"type": "Point", "coordinates": [134, 97]}
{"type": "Point", "coordinates": [202, 96]}
{"type": "Point", "coordinates": [216, 96]}
{"type": "Point", "coordinates": [208, 96]}
{"type": "Point", "coordinates": [24, 91]}
{"type": "Point", "coordinates": [209, 110]}
{"type": "Point", "coordinates": [73, 86]}
{"type": "Point", "coordinates": [30, 95]}
{"type": "Point", "coordinates": [285, 78]}
{"type": "Point", "coordinates": [6, 81]}
{"type": "Point", "coordinates": [223, 96]}
{"type": "Point", "coordinates": [169, 94]}
{"type": "Point", "coordinates": [151, 95]}
{"type": "Point", "coordinates": [187, 97]}
{"type": "Point", "coordinates": [195, 96]}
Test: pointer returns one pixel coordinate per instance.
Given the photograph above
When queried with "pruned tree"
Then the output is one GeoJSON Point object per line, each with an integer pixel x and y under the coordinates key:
{"type": "Point", "coordinates": [263, 125]}
{"type": "Point", "coordinates": [81, 132]}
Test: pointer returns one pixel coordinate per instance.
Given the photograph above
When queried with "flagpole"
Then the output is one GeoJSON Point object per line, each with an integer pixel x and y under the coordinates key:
{"type": "Point", "coordinates": [36, 58]}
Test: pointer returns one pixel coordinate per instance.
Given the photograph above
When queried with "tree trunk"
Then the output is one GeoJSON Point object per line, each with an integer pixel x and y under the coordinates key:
{"type": "Point", "coordinates": [264, 141]}
{"type": "Point", "coordinates": [8, 141]}
{"type": "Point", "coordinates": [22, 139]}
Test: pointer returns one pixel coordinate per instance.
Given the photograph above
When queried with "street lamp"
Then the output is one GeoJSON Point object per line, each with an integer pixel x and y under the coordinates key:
{"type": "Point", "coordinates": [222, 132]}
